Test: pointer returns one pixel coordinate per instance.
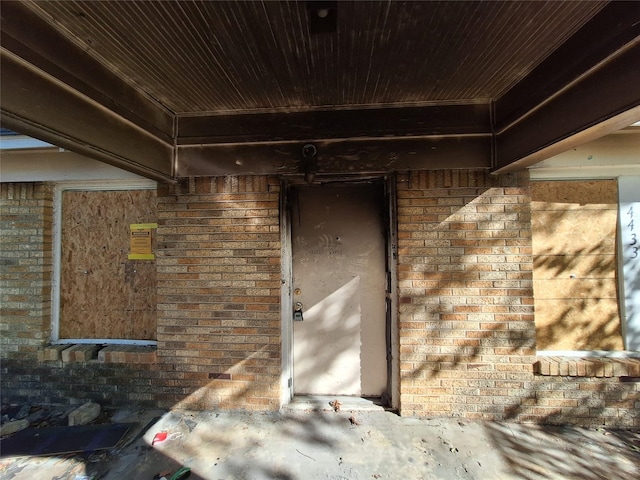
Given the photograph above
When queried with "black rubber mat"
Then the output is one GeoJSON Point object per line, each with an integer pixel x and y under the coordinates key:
{"type": "Point", "coordinates": [61, 440]}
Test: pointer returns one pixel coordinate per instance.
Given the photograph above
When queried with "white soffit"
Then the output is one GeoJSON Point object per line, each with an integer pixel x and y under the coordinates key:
{"type": "Point", "coordinates": [53, 165]}
{"type": "Point", "coordinates": [611, 156]}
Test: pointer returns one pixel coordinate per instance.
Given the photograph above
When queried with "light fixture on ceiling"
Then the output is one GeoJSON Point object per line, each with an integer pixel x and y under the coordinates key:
{"type": "Point", "coordinates": [309, 163]}
{"type": "Point", "coordinates": [323, 16]}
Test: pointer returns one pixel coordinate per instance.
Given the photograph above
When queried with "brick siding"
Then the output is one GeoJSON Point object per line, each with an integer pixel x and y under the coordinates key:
{"type": "Point", "coordinates": [31, 372]}
{"type": "Point", "coordinates": [26, 214]}
{"type": "Point", "coordinates": [219, 293]}
{"type": "Point", "coordinates": [466, 320]}
{"type": "Point", "coordinates": [466, 299]}
{"type": "Point", "coordinates": [59, 383]}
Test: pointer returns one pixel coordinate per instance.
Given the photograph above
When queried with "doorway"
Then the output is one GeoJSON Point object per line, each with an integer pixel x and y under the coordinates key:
{"type": "Point", "coordinates": [341, 287]}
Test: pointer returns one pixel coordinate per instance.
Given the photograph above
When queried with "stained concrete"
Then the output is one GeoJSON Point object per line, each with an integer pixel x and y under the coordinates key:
{"type": "Point", "coordinates": [320, 443]}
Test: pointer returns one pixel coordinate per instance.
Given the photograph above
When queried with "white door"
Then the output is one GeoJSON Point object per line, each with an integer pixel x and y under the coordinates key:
{"type": "Point", "coordinates": [338, 248]}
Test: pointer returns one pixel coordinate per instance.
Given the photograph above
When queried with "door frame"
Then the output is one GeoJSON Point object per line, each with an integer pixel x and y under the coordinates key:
{"type": "Point", "coordinates": [286, 297]}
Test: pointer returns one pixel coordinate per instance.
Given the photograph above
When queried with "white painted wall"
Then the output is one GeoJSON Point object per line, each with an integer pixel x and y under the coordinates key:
{"type": "Point", "coordinates": [607, 157]}
{"type": "Point", "coordinates": [629, 248]}
{"type": "Point", "coordinates": [53, 165]}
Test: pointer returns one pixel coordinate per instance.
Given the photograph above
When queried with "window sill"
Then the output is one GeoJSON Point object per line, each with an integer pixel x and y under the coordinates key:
{"type": "Point", "coordinates": [587, 367]}
{"type": "Point", "coordinates": [75, 353]}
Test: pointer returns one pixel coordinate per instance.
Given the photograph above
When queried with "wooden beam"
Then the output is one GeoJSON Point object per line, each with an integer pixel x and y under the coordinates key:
{"type": "Point", "coordinates": [31, 38]}
{"type": "Point", "coordinates": [615, 28]}
{"type": "Point", "coordinates": [406, 121]}
{"type": "Point", "coordinates": [35, 104]}
{"type": "Point", "coordinates": [348, 156]}
{"type": "Point", "coordinates": [591, 79]}
{"type": "Point", "coordinates": [606, 99]}
{"type": "Point", "coordinates": [53, 90]}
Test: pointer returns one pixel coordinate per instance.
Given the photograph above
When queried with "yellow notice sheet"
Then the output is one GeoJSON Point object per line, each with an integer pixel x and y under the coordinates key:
{"type": "Point", "coordinates": [140, 246]}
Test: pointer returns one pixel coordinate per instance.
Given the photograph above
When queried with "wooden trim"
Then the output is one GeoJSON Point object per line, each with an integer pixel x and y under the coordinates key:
{"type": "Point", "coordinates": [36, 104]}
{"type": "Point", "coordinates": [394, 122]}
{"type": "Point", "coordinates": [336, 157]}
{"type": "Point", "coordinates": [58, 190]}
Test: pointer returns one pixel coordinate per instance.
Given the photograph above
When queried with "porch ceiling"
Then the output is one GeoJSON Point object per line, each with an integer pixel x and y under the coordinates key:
{"type": "Point", "coordinates": [171, 89]}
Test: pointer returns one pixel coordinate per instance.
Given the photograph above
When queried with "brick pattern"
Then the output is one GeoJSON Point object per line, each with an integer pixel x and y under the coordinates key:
{"type": "Point", "coordinates": [31, 371]}
{"type": "Point", "coordinates": [129, 354]}
{"type": "Point", "coordinates": [80, 353]}
{"type": "Point", "coordinates": [587, 367]}
{"type": "Point", "coordinates": [465, 288]}
{"type": "Point", "coordinates": [219, 292]}
{"type": "Point", "coordinates": [59, 383]}
{"type": "Point", "coordinates": [585, 401]}
{"type": "Point", "coordinates": [466, 319]}
{"type": "Point", "coordinates": [25, 268]}
{"type": "Point", "coordinates": [467, 338]}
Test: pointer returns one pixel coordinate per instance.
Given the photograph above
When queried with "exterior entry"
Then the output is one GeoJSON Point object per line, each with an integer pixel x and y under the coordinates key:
{"type": "Point", "coordinates": [338, 250]}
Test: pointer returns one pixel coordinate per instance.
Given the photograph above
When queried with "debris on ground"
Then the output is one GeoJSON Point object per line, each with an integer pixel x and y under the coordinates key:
{"type": "Point", "coordinates": [159, 437]}
{"type": "Point", "coordinates": [164, 436]}
{"type": "Point", "coordinates": [54, 415]}
{"type": "Point", "coordinates": [23, 412]}
{"type": "Point", "coordinates": [320, 444]}
{"type": "Point", "coordinates": [84, 414]}
{"type": "Point", "coordinates": [335, 404]}
{"type": "Point", "coordinates": [181, 474]}
{"type": "Point", "coordinates": [65, 440]}
{"type": "Point", "coordinates": [162, 474]}
{"type": "Point", "coordinates": [14, 426]}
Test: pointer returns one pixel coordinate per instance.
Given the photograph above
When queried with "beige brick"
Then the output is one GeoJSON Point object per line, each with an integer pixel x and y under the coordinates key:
{"type": "Point", "coordinates": [80, 353]}
{"type": "Point", "coordinates": [51, 353]}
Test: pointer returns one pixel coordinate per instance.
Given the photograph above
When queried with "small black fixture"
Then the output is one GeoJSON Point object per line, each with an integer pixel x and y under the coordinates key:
{"type": "Point", "coordinates": [323, 16]}
{"type": "Point", "coordinates": [309, 163]}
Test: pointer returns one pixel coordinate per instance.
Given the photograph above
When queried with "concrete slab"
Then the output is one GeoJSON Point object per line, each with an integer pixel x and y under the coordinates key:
{"type": "Point", "coordinates": [324, 403]}
{"type": "Point", "coordinates": [320, 444]}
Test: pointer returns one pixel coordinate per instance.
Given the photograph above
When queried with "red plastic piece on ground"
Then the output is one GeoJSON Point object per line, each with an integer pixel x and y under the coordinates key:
{"type": "Point", "coordinates": [159, 437]}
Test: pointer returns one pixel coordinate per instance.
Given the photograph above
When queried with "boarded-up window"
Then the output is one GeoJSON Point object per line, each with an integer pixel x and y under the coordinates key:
{"type": "Point", "coordinates": [574, 248]}
{"type": "Point", "coordinates": [103, 295]}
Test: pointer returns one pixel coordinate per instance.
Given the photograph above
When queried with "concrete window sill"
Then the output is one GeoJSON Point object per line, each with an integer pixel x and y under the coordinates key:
{"type": "Point", "coordinates": [74, 353]}
{"type": "Point", "coordinates": [587, 367]}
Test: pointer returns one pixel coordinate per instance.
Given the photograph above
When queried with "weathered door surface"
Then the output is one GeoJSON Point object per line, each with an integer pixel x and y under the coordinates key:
{"type": "Point", "coordinates": [338, 246]}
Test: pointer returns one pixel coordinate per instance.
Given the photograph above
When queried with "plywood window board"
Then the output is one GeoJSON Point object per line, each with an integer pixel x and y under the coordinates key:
{"type": "Point", "coordinates": [103, 293]}
{"type": "Point", "coordinates": [575, 265]}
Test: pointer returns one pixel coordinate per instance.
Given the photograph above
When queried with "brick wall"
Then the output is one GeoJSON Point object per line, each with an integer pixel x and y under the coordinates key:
{"type": "Point", "coordinates": [219, 293]}
{"type": "Point", "coordinates": [466, 314]}
{"type": "Point", "coordinates": [30, 372]}
{"type": "Point", "coordinates": [467, 334]}
{"type": "Point", "coordinates": [25, 268]}
{"type": "Point", "coordinates": [60, 383]}
{"type": "Point", "coordinates": [466, 319]}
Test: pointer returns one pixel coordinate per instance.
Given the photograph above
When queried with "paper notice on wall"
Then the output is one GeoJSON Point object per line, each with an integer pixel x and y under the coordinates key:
{"type": "Point", "coordinates": [140, 241]}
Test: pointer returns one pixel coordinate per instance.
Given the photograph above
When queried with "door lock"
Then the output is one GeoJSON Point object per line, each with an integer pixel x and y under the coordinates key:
{"type": "Point", "coordinates": [297, 312]}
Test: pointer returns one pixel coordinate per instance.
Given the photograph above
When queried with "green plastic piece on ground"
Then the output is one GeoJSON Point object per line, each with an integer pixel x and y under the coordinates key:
{"type": "Point", "coordinates": [181, 474]}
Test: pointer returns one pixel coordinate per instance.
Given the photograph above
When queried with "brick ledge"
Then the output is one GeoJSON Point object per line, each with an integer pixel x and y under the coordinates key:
{"type": "Point", "coordinates": [587, 367]}
{"type": "Point", "coordinates": [80, 352]}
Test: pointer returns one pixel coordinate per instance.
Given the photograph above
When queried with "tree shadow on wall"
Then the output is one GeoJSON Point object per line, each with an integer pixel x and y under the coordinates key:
{"type": "Point", "coordinates": [492, 365]}
{"type": "Point", "coordinates": [577, 300]}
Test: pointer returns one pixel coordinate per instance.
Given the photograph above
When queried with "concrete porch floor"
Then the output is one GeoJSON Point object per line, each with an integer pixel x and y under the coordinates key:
{"type": "Point", "coordinates": [322, 403]}
{"type": "Point", "coordinates": [354, 444]}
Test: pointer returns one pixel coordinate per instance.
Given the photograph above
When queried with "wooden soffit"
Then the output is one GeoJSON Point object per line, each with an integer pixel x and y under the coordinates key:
{"type": "Point", "coordinates": [188, 88]}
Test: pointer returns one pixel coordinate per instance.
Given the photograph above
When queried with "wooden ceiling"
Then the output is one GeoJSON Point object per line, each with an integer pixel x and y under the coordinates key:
{"type": "Point", "coordinates": [182, 88]}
